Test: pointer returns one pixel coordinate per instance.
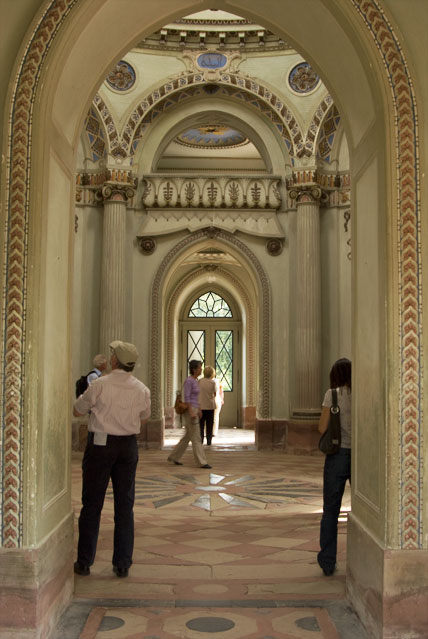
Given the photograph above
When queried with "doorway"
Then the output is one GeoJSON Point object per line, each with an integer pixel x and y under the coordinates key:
{"type": "Point", "coordinates": [210, 331]}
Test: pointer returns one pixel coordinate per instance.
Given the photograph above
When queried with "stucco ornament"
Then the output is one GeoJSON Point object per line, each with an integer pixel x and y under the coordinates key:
{"type": "Point", "coordinates": [303, 79]}
{"type": "Point", "coordinates": [123, 76]}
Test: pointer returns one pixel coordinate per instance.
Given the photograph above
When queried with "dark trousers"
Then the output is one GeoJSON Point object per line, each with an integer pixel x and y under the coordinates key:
{"type": "Point", "coordinates": [208, 420]}
{"type": "Point", "coordinates": [337, 469]}
{"type": "Point", "coordinates": [118, 461]}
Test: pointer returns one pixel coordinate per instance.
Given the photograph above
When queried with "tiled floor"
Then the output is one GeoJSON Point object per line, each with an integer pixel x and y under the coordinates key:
{"type": "Point", "coordinates": [228, 553]}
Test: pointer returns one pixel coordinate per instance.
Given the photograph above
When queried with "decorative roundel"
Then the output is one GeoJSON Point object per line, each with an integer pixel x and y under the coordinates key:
{"type": "Point", "coordinates": [213, 137]}
{"type": "Point", "coordinates": [302, 78]}
{"type": "Point", "coordinates": [122, 77]}
{"type": "Point", "coordinates": [211, 60]}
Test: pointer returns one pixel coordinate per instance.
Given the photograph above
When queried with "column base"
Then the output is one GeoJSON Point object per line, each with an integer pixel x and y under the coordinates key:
{"type": "Point", "coordinates": [303, 437]}
{"type": "Point", "coordinates": [152, 434]}
{"type": "Point", "coordinates": [36, 585]}
{"type": "Point", "coordinates": [387, 588]}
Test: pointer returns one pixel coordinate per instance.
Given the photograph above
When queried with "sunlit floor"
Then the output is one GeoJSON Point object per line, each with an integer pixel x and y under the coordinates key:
{"type": "Point", "coordinates": [226, 437]}
{"type": "Point", "coordinates": [227, 553]}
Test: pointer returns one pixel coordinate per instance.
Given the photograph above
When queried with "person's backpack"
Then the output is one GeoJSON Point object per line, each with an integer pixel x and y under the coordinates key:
{"type": "Point", "coordinates": [82, 383]}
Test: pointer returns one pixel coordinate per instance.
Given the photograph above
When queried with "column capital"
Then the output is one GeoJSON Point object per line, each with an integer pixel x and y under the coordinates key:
{"type": "Point", "coordinates": [115, 191]}
{"type": "Point", "coordinates": [307, 193]}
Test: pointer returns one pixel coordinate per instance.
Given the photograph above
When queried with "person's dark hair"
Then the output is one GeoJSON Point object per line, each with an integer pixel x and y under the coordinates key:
{"type": "Point", "coordinates": [126, 368]}
{"type": "Point", "coordinates": [193, 365]}
{"type": "Point", "coordinates": [340, 374]}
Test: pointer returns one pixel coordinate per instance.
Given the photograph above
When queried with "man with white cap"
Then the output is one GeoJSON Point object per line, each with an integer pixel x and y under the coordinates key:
{"type": "Point", "coordinates": [117, 404]}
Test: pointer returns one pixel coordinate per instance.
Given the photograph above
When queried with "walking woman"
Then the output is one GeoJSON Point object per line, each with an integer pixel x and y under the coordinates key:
{"type": "Point", "coordinates": [191, 419]}
{"type": "Point", "coordinates": [207, 391]}
{"type": "Point", "coordinates": [337, 467]}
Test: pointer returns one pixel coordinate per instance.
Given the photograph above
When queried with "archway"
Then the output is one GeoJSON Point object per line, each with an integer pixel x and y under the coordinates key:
{"type": "Point", "coordinates": [43, 135]}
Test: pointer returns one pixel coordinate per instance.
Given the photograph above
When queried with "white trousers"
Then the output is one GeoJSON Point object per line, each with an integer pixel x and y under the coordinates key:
{"type": "Point", "coordinates": [192, 434]}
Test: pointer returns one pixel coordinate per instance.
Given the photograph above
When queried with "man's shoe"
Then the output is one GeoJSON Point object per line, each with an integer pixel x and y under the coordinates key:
{"type": "Point", "coordinates": [206, 466]}
{"type": "Point", "coordinates": [174, 461]}
{"type": "Point", "coordinates": [81, 569]}
{"type": "Point", "coordinates": [120, 572]}
{"type": "Point", "coordinates": [328, 570]}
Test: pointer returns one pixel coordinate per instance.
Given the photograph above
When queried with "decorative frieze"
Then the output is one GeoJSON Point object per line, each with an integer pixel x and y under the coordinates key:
{"type": "Point", "coordinates": [254, 222]}
{"type": "Point", "coordinates": [171, 191]}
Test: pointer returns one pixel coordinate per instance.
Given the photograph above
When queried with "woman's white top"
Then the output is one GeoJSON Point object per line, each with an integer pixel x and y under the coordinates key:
{"type": "Point", "coordinates": [344, 401]}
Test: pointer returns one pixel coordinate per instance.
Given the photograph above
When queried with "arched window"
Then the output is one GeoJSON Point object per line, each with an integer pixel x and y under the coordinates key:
{"type": "Point", "coordinates": [210, 305]}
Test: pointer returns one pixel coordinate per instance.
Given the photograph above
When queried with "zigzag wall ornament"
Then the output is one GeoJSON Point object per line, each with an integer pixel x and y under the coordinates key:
{"type": "Point", "coordinates": [250, 351]}
{"type": "Point", "coordinates": [156, 317]}
{"type": "Point", "coordinates": [409, 272]}
{"type": "Point", "coordinates": [15, 279]}
{"type": "Point", "coordinates": [409, 297]}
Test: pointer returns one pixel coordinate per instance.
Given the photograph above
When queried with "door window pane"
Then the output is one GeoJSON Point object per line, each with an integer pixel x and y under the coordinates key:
{"type": "Point", "coordinates": [210, 305]}
{"type": "Point", "coordinates": [196, 346]}
{"type": "Point", "coordinates": [224, 358]}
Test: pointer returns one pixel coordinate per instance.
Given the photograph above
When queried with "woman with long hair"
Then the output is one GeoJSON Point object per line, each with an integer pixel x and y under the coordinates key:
{"type": "Point", "coordinates": [337, 466]}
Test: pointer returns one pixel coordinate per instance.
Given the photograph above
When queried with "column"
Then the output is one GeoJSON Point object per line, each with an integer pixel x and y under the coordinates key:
{"type": "Point", "coordinates": [112, 305]}
{"type": "Point", "coordinates": [307, 342]}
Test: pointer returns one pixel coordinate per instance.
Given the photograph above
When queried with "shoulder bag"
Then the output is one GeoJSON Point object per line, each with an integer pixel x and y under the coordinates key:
{"type": "Point", "coordinates": [180, 407]}
{"type": "Point", "coordinates": [329, 442]}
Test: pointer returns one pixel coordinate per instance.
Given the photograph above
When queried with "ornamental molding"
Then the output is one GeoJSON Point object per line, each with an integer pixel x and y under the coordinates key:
{"type": "Point", "coordinates": [241, 87]}
{"type": "Point", "coordinates": [164, 221]}
{"type": "Point", "coordinates": [230, 85]}
{"type": "Point", "coordinates": [410, 525]}
{"type": "Point", "coordinates": [211, 192]}
{"type": "Point", "coordinates": [235, 284]}
{"type": "Point", "coordinates": [264, 402]}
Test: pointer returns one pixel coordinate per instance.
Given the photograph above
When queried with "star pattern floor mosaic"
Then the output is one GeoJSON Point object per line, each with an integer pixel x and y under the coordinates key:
{"type": "Point", "coordinates": [227, 553]}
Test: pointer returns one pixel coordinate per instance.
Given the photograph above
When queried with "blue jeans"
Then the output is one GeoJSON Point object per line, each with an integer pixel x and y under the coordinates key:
{"type": "Point", "coordinates": [337, 469]}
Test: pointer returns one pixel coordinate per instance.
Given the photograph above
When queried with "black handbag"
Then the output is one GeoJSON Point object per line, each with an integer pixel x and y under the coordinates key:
{"type": "Point", "coordinates": [329, 442]}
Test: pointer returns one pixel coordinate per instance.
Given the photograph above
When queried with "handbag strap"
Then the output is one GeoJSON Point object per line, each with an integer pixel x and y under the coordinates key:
{"type": "Point", "coordinates": [334, 404]}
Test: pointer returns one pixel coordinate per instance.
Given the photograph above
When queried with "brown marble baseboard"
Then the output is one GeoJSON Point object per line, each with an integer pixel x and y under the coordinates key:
{"type": "Point", "coordinates": [270, 434]}
{"type": "Point", "coordinates": [151, 435]}
{"type": "Point", "coordinates": [37, 584]}
{"type": "Point", "coordinates": [388, 588]}
{"type": "Point", "coordinates": [303, 437]}
{"type": "Point", "coordinates": [248, 417]}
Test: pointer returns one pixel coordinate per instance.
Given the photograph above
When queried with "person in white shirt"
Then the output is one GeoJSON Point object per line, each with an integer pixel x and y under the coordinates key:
{"type": "Point", "coordinates": [117, 403]}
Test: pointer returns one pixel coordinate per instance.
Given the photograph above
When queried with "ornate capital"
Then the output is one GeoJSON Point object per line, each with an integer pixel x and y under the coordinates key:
{"type": "Point", "coordinates": [115, 191]}
{"type": "Point", "coordinates": [308, 193]}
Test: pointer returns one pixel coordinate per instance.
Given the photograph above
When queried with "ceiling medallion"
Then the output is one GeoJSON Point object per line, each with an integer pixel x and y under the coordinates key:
{"type": "Point", "coordinates": [122, 78]}
{"type": "Point", "coordinates": [303, 79]}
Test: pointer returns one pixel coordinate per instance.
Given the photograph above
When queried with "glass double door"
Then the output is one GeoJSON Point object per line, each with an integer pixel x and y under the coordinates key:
{"type": "Point", "coordinates": [216, 343]}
